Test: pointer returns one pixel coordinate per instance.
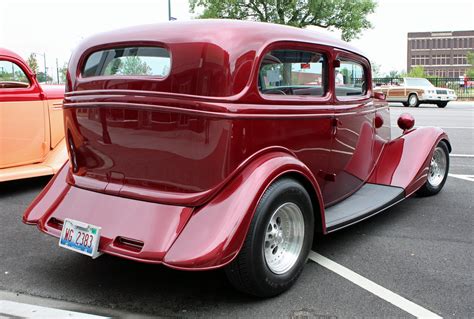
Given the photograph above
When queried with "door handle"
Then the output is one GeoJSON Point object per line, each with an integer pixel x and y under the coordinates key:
{"type": "Point", "coordinates": [335, 122]}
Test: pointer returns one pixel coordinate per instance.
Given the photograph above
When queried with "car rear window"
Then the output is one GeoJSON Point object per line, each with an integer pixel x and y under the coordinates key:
{"type": "Point", "coordinates": [128, 61]}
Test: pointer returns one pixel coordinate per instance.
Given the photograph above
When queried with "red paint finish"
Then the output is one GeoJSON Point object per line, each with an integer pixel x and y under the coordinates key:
{"type": "Point", "coordinates": [215, 233]}
{"type": "Point", "coordinates": [406, 121]}
{"type": "Point", "coordinates": [138, 222]}
{"type": "Point", "coordinates": [404, 161]}
{"type": "Point", "coordinates": [178, 164]}
{"type": "Point", "coordinates": [31, 93]}
{"type": "Point", "coordinates": [34, 92]}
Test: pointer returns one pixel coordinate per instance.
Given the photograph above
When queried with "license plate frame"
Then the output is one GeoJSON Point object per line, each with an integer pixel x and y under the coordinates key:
{"type": "Point", "coordinates": [80, 240]}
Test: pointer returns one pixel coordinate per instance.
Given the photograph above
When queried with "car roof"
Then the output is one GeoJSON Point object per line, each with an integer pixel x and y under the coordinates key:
{"type": "Point", "coordinates": [10, 53]}
{"type": "Point", "coordinates": [230, 34]}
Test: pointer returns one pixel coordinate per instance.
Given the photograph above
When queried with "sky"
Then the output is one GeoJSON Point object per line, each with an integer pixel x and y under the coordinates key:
{"type": "Point", "coordinates": [55, 27]}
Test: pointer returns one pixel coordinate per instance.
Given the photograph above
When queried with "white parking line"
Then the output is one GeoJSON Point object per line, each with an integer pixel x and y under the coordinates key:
{"type": "Point", "coordinates": [469, 178]}
{"type": "Point", "coordinates": [381, 292]}
{"type": "Point", "coordinates": [23, 310]}
{"type": "Point", "coordinates": [461, 155]}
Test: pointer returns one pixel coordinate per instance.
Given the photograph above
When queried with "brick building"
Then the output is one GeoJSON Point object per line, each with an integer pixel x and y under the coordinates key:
{"type": "Point", "coordinates": [442, 54]}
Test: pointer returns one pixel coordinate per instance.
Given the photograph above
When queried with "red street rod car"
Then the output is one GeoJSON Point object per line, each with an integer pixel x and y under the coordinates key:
{"type": "Point", "coordinates": [208, 144]}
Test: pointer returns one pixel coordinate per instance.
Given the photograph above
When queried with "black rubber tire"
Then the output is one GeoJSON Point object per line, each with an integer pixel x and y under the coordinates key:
{"type": "Point", "coordinates": [405, 104]}
{"type": "Point", "coordinates": [417, 100]}
{"type": "Point", "coordinates": [249, 272]}
{"type": "Point", "coordinates": [429, 190]}
{"type": "Point", "coordinates": [442, 104]}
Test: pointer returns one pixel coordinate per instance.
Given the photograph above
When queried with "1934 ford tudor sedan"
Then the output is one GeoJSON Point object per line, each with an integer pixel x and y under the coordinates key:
{"type": "Point", "coordinates": [208, 144]}
{"type": "Point", "coordinates": [31, 122]}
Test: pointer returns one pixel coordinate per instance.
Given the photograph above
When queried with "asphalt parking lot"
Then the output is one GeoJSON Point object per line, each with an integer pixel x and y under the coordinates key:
{"type": "Point", "coordinates": [421, 250]}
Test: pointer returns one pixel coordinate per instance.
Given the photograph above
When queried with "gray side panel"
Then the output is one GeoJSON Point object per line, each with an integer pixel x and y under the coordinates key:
{"type": "Point", "coordinates": [370, 199]}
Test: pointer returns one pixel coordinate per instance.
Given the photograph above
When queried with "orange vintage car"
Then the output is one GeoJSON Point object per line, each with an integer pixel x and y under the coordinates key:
{"type": "Point", "coordinates": [31, 122]}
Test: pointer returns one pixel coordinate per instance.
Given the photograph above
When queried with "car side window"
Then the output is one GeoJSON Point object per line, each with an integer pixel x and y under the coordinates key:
{"type": "Point", "coordinates": [293, 72]}
{"type": "Point", "coordinates": [12, 76]}
{"type": "Point", "coordinates": [350, 79]}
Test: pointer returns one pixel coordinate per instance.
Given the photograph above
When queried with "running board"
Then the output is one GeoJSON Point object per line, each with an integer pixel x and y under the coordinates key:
{"type": "Point", "coordinates": [369, 200]}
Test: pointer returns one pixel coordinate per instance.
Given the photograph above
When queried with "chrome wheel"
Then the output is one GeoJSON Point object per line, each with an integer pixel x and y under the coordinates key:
{"type": "Point", "coordinates": [284, 238]}
{"type": "Point", "coordinates": [413, 101]}
{"type": "Point", "coordinates": [438, 167]}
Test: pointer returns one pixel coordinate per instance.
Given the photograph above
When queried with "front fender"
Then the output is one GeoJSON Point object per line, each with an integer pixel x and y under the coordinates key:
{"type": "Point", "coordinates": [404, 162]}
{"type": "Point", "coordinates": [216, 232]}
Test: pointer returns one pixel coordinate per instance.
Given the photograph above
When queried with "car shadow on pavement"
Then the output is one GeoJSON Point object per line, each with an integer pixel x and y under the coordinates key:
{"type": "Point", "coordinates": [26, 185]}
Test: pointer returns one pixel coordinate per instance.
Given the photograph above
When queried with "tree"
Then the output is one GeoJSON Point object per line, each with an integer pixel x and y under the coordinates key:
{"type": "Point", "coordinates": [130, 65]}
{"type": "Point", "coordinates": [62, 73]}
{"type": "Point", "coordinates": [40, 76]}
{"type": "Point", "coordinates": [33, 63]}
{"type": "Point", "coordinates": [376, 70]}
{"type": "Point", "coordinates": [470, 60]}
{"type": "Point", "coordinates": [417, 72]}
{"type": "Point", "coordinates": [394, 74]}
{"type": "Point", "coordinates": [349, 16]}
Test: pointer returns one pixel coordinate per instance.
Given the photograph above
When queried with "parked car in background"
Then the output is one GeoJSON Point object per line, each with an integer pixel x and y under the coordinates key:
{"type": "Point", "coordinates": [415, 91]}
{"type": "Point", "coordinates": [31, 122]}
{"type": "Point", "coordinates": [229, 146]}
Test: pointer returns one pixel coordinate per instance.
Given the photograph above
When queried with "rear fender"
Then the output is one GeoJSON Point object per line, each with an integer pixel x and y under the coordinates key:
{"type": "Point", "coordinates": [404, 162]}
{"type": "Point", "coordinates": [216, 232]}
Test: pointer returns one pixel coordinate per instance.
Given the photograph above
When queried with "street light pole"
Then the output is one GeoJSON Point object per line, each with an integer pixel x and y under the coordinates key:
{"type": "Point", "coordinates": [169, 10]}
{"type": "Point", "coordinates": [44, 60]}
{"type": "Point", "coordinates": [45, 74]}
{"type": "Point", "coordinates": [57, 70]}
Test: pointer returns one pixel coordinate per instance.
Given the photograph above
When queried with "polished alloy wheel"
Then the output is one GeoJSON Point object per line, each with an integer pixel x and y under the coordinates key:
{"type": "Point", "coordinates": [284, 238]}
{"type": "Point", "coordinates": [438, 167]}
{"type": "Point", "coordinates": [413, 100]}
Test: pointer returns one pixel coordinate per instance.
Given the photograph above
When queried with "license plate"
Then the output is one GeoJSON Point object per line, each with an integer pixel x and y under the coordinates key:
{"type": "Point", "coordinates": [80, 237]}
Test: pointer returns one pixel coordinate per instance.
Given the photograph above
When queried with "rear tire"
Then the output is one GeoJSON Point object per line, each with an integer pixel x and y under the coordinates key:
{"type": "Point", "coordinates": [442, 104]}
{"type": "Point", "coordinates": [438, 171]}
{"type": "Point", "coordinates": [278, 241]}
{"type": "Point", "coordinates": [413, 100]}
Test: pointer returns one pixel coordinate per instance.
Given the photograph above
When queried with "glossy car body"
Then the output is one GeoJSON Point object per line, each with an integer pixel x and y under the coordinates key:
{"type": "Point", "coordinates": [422, 89]}
{"type": "Point", "coordinates": [172, 168]}
{"type": "Point", "coordinates": [31, 124]}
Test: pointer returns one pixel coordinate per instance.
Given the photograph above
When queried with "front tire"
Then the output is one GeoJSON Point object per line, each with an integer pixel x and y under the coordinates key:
{"type": "Point", "coordinates": [413, 100]}
{"type": "Point", "coordinates": [278, 241]}
{"type": "Point", "coordinates": [438, 171]}
{"type": "Point", "coordinates": [442, 104]}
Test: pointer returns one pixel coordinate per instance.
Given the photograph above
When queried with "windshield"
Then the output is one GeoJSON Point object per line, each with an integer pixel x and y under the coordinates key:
{"type": "Point", "coordinates": [417, 82]}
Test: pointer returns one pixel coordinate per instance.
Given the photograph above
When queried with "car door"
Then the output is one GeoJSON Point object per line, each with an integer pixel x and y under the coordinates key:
{"type": "Point", "coordinates": [352, 153]}
{"type": "Point", "coordinates": [294, 80]}
{"type": "Point", "coordinates": [23, 130]}
{"type": "Point", "coordinates": [397, 92]}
